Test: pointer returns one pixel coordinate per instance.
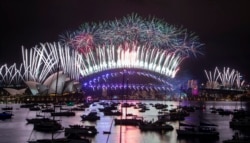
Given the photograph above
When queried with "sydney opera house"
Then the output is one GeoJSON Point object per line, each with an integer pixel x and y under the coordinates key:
{"type": "Point", "coordinates": [147, 48]}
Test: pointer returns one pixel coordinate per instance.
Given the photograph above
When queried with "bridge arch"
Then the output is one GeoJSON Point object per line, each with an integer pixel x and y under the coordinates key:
{"type": "Point", "coordinates": [132, 78]}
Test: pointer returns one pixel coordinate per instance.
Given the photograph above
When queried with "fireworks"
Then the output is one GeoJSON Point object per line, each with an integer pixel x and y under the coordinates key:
{"type": "Point", "coordinates": [151, 32]}
{"type": "Point", "coordinates": [228, 78]}
{"type": "Point", "coordinates": [128, 43]}
{"type": "Point", "coordinates": [132, 42]}
{"type": "Point", "coordinates": [11, 75]}
{"type": "Point", "coordinates": [40, 62]}
{"type": "Point", "coordinates": [130, 55]}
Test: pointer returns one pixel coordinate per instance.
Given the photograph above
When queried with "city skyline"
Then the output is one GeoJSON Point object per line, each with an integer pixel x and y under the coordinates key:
{"type": "Point", "coordinates": [221, 26]}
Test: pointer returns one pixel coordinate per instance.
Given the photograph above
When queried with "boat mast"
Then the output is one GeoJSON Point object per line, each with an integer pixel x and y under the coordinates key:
{"type": "Point", "coordinates": [57, 76]}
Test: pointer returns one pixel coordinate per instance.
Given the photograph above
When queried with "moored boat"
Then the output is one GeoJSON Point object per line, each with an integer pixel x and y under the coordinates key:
{"type": "Point", "coordinates": [240, 123]}
{"type": "Point", "coordinates": [78, 109]}
{"type": "Point", "coordinates": [198, 132]}
{"type": "Point", "coordinates": [48, 126]}
{"type": "Point", "coordinates": [72, 138]}
{"type": "Point", "coordinates": [35, 108]}
{"type": "Point", "coordinates": [155, 126]}
{"type": "Point", "coordinates": [238, 139]}
{"type": "Point", "coordinates": [134, 121]}
{"type": "Point", "coordinates": [38, 120]}
{"type": "Point", "coordinates": [89, 131]}
{"type": "Point", "coordinates": [5, 115]}
{"type": "Point", "coordinates": [65, 113]}
{"type": "Point", "coordinates": [92, 116]}
{"type": "Point", "coordinates": [112, 113]}
{"type": "Point", "coordinates": [46, 110]}
{"type": "Point", "coordinates": [7, 108]}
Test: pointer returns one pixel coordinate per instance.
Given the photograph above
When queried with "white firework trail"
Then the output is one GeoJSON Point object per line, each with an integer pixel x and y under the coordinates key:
{"type": "Point", "coordinates": [40, 62]}
{"type": "Point", "coordinates": [227, 78]}
{"type": "Point", "coordinates": [11, 75]}
{"type": "Point", "coordinates": [130, 56]}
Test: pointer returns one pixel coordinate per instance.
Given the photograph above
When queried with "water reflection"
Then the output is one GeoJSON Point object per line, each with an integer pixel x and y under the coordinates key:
{"type": "Point", "coordinates": [16, 129]}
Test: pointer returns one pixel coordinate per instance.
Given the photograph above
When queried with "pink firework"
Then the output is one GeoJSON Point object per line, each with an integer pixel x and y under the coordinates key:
{"type": "Point", "coordinates": [83, 43]}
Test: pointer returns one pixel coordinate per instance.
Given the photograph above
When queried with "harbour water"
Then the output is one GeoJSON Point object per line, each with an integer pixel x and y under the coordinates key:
{"type": "Point", "coordinates": [16, 130]}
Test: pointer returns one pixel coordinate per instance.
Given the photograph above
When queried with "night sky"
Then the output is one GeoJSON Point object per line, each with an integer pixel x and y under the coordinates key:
{"type": "Point", "coordinates": [222, 25]}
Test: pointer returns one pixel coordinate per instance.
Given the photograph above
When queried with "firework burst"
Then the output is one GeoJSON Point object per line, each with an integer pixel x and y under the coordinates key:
{"type": "Point", "coordinates": [228, 78]}
{"type": "Point", "coordinates": [152, 32]}
{"type": "Point", "coordinates": [131, 42]}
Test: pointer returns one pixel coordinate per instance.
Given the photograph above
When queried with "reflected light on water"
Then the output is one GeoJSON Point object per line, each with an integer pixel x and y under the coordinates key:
{"type": "Point", "coordinates": [16, 129]}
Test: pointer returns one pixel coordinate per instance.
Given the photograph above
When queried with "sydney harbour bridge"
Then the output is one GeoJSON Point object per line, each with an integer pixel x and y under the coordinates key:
{"type": "Point", "coordinates": [132, 52]}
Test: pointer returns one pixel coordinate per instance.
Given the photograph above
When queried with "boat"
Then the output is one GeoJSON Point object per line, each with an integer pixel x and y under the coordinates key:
{"type": "Point", "coordinates": [155, 126]}
{"type": "Point", "coordinates": [160, 106]}
{"type": "Point", "coordinates": [112, 113]}
{"type": "Point", "coordinates": [48, 110]}
{"type": "Point", "coordinates": [37, 120]}
{"type": "Point", "coordinates": [207, 124]}
{"type": "Point", "coordinates": [238, 139]}
{"type": "Point", "coordinates": [225, 112]}
{"type": "Point", "coordinates": [59, 140]}
{"type": "Point", "coordinates": [28, 105]}
{"type": "Point", "coordinates": [65, 108]}
{"type": "Point", "coordinates": [76, 126]}
{"type": "Point", "coordinates": [5, 115]}
{"type": "Point", "coordinates": [134, 121]}
{"type": "Point", "coordinates": [164, 117]}
{"type": "Point", "coordinates": [106, 132]}
{"type": "Point", "coordinates": [48, 126]}
{"type": "Point", "coordinates": [129, 114]}
{"type": "Point", "coordinates": [108, 108]}
{"type": "Point", "coordinates": [92, 116]}
{"type": "Point", "coordinates": [142, 110]}
{"type": "Point", "coordinates": [198, 132]}
{"type": "Point", "coordinates": [64, 113]}
{"type": "Point", "coordinates": [35, 108]}
{"type": "Point", "coordinates": [241, 113]}
{"type": "Point", "coordinates": [178, 115]}
{"type": "Point", "coordinates": [38, 114]}
{"type": "Point", "coordinates": [78, 109]}
{"type": "Point", "coordinates": [202, 131]}
{"type": "Point", "coordinates": [240, 123]}
{"type": "Point", "coordinates": [7, 108]}
{"type": "Point", "coordinates": [89, 131]}
{"type": "Point", "coordinates": [72, 138]}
